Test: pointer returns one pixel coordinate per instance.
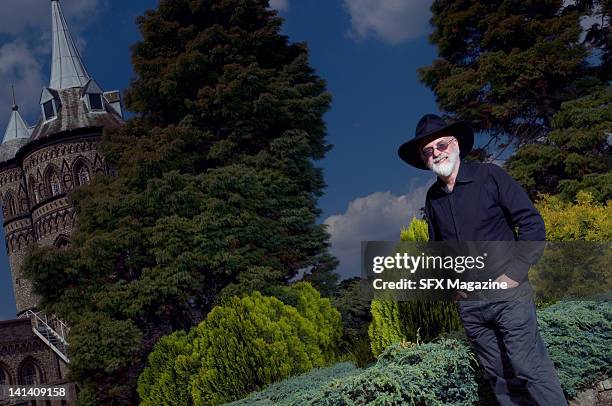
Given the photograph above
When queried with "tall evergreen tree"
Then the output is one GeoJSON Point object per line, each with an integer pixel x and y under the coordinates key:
{"type": "Point", "coordinates": [216, 189]}
{"type": "Point", "coordinates": [576, 155]}
{"type": "Point", "coordinates": [505, 66]}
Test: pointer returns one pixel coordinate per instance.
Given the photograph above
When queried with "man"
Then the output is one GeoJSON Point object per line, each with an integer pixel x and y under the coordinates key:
{"type": "Point", "coordinates": [480, 202]}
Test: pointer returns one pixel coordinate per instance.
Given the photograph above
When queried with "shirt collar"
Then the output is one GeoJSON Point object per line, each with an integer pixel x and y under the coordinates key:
{"type": "Point", "coordinates": [465, 174]}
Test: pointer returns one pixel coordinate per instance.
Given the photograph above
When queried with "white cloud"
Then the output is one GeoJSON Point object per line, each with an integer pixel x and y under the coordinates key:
{"type": "Point", "coordinates": [19, 16]}
{"type": "Point", "coordinates": [376, 217]}
{"type": "Point", "coordinates": [21, 67]}
{"type": "Point", "coordinates": [23, 58]}
{"type": "Point", "coordinates": [393, 21]}
{"type": "Point", "coordinates": [280, 5]}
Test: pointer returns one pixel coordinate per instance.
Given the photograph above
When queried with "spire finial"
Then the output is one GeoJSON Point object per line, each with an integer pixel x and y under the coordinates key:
{"type": "Point", "coordinates": [67, 68]}
{"type": "Point", "coordinates": [14, 107]}
{"type": "Point", "coordinates": [16, 128]}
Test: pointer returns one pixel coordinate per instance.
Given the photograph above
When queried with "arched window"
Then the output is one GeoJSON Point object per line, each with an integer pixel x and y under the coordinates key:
{"type": "Point", "coordinates": [32, 189]}
{"type": "Point", "coordinates": [30, 374]}
{"type": "Point", "coordinates": [54, 182]}
{"type": "Point", "coordinates": [10, 208]}
{"type": "Point", "coordinates": [61, 242]}
{"type": "Point", "coordinates": [83, 175]}
{"type": "Point", "coordinates": [23, 200]}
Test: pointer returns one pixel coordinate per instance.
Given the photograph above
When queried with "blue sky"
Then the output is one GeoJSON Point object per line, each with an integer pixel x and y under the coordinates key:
{"type": "Point", "coordinates": [367, 51]}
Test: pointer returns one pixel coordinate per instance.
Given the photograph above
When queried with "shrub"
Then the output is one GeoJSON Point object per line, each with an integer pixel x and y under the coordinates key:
{"type": "Point", "coordinates": [395, 321]}
{"type": "Point", "coordinates": [439, 373]}
{"type": "Point", "coordinates": [577, 335]}
{"type": "Point", "coordinates": [583, 220]}
{"type": "Point", "coordinates": [353, 301]}
{"type": "Point", "coordinates": [242, 346]}
{"type": "Point", "coordinates": [576, 260]}
{"type": "Point", "coordinates": [444, 372]}
{"type": "Point", "coordinates": [298, 390]}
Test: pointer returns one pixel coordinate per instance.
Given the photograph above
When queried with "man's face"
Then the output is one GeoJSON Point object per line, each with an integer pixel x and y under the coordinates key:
{"type": "Point", "coordinates": [441, 155]}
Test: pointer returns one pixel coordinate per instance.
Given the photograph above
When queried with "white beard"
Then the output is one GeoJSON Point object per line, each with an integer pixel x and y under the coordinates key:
{"type": "Point", "coordinates": [445, 168]}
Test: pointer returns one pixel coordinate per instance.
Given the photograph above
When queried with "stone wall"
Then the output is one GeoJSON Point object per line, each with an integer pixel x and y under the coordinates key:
{"type": "Point", "coordinates": [20, 347]}
{"type": "Point", "coordinates": [41, 213]}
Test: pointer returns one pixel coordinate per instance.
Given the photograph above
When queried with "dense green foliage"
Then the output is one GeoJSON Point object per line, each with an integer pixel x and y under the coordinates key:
{"type": "Point", "coordinates": [583, 220]}
{"type": "Point", "coordinates": [395, 321]}
{"type": "Point", "coordinates": [243, 345]}
{"type": "Point", "coordinates": [353, 301]}
{"type": "Point", "coordinates": [439, 373]}
{"type": "Point", "coordinates": [215, 189]}
{"type": "Point", "coordinates": [505, 66]}
{"type": "Point", "coordinates": [576, 262]}
{"type": "Point", "coordinates": [528, 76]}
{"type": "Point", "coordinates": [299, 390]}
{"type": "Point", "coordinates": [577, 335]}
{"type": "Point", "coordinates": [443, 373]}
{"type": "Point", "coordinates": [576, 155]}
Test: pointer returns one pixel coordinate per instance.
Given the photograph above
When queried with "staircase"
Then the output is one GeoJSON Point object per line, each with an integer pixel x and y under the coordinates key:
{"type": "Point", "coordinates": [52, 331]}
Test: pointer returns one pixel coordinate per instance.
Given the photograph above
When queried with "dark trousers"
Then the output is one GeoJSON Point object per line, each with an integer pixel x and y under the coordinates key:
{"type": "Point", "coordinates": [506, 339]}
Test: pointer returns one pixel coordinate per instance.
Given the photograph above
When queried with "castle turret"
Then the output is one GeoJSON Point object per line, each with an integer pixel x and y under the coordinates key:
{"type": "Point", "coordinates": [38, 168]}
{"type": "Point", "coordinates": [42, 166]}
{"type": "Point", "coordinates": [16, 206]}
{"type": "Point", "coordinates": [16, 134]}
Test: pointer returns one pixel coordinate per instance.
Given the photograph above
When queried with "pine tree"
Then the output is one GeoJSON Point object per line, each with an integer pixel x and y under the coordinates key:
{"type": "Point", "coordinates": [216, 188]}
{"type": "Point", "coordinates": [576, 156]}
{"type": "Point", "coordinates": [505, 66]}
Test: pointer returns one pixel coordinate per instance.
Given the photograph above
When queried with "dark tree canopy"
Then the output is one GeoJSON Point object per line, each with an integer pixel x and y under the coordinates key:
{"type": "Point", "coordinates": [577, 155]}
{"type": "Point", "coordinates": [505, 66]}
{"type": "Point", "coordinates": [216, 189]}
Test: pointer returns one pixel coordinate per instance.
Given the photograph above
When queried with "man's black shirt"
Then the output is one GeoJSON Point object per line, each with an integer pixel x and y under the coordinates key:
{"type": "Point", "coordinates": [486, 204]}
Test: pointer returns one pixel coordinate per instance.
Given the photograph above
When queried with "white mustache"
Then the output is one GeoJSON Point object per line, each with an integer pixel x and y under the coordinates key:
{"type": "Point", "coordinates": [439, 158]}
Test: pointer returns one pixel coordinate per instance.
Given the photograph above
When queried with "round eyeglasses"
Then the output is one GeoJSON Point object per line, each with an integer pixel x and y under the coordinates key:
{"type": "Point", "coordinates": [440, 146]}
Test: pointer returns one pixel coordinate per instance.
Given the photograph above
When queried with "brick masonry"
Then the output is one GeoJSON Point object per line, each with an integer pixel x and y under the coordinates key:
{"type": "Point", "coordinates": [33, 192]}
{"type": "Point", "coordinates": [21, 350]}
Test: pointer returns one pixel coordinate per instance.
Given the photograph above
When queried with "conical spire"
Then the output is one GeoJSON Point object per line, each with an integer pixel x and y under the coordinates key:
{"type": "Point", "coordinates": [16, 127]}
{"type": "Point", "coordinates": [67, 69]}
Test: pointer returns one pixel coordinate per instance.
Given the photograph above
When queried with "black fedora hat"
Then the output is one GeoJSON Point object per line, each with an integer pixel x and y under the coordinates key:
{"type": "Point", "coordinates": [429, 128]}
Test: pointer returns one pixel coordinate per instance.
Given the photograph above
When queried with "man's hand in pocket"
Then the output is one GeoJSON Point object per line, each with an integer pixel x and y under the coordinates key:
{"type": "Point", "coordinates": [509, 282]}
{"type": "Point", "coordinates": [458, 295]}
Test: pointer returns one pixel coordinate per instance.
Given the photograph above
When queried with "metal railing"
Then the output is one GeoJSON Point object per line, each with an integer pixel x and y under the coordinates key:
{"type": "Point", "coordinates": [52, 331]}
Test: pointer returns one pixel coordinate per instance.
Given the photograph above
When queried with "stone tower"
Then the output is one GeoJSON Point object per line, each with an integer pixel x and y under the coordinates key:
{"type": "Point", "coordinates": [39, 166]}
